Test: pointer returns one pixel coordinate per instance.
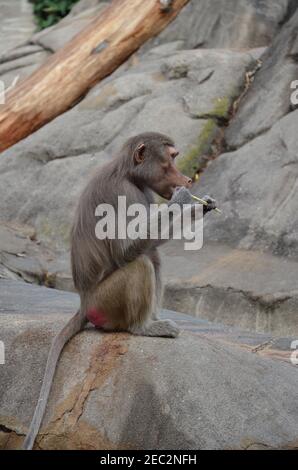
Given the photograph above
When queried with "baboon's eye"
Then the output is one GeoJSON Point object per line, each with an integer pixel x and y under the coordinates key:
{"type": "Point", "coordinates": [172, 151]}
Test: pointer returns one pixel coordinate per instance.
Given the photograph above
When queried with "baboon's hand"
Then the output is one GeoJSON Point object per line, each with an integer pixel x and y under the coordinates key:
{"type": "Point", "coordinates": [181, 196]}
{"type": "Point", "coordinates": [211, 204]}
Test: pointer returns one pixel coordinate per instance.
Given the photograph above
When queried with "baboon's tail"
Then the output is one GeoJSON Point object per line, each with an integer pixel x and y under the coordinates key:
{"type": "Point", "coordinates": [74, 325]}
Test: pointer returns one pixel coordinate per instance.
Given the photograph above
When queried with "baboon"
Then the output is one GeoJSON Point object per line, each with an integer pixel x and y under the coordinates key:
{"type": "Point", "coordinates": [118, 280]}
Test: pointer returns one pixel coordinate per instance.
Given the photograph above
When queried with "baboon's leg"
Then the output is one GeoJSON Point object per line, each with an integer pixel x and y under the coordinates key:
{"type": "Point", "coordinates": [166, 328]}
{"type": "Point", "coordinates": [126, 301]}
{"type": "Point", "coordinates": [155, 258]}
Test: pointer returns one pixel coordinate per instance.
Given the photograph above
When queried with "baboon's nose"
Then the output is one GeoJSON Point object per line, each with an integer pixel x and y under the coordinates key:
{"type": "Point", "coordinates": [188, 182]}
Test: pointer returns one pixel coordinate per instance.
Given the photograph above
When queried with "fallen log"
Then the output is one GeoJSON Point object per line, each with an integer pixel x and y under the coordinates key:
{"type": "Point", "coordinates": [89, 57]}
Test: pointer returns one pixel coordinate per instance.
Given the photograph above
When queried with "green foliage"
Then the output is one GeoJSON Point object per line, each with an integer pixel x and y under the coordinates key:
{"type": "Point", "coordinates": [49, 12]}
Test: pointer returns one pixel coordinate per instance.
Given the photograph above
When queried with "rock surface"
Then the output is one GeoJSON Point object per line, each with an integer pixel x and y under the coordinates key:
{"type": "Point", "coordinates": [16, 23]}
{"type": "Point", "coordinates": [186, 94]}
{"type": "Point", "coordinates": [18, 57]}
{"type": "Point", "coordinates": [19, 63]}
{"type": "Point", "coordinates": [212, 388]}
{"type": "Point", "coordinates": [57, 36]}
{"type": "Point", "coordinates": [228, 109]}
{"type": "Point", "coordinates": [247, 288]}
{"type": "Point", "coordinates": [257, 187]}
{"type": "Point", "coordinates": [269, 99]}
{"type": "Point", "coordinates": [228, 23]}
{"type": "Point", "coordinates": [250, 289]}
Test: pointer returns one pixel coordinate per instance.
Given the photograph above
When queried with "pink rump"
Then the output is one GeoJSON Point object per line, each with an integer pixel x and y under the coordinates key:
{"type": "Point", "coordinates": [96, 317]}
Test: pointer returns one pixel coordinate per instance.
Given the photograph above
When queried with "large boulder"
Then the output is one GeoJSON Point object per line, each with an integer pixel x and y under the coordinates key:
{"type": "Point", "coordinates": [253, 290]}
{"type": "Point", "coordinates": [186, 94]}
{"type": "Point", "coordinates": [211, 388]}
{"type": "Point", "coordinates": [175, 84]}
{"type": "Point", "coordinates": [227, 23]}
{"type": "Point", "coordinates": [269, 98]}
{"type": "Point", "coordinates": [257, 186]}
{"type": "Point", "coordinates": [248, 288]}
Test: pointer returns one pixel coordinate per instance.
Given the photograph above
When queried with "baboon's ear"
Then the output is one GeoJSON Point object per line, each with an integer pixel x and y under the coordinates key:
{"type": "Point", "coordinates": [139, 154]}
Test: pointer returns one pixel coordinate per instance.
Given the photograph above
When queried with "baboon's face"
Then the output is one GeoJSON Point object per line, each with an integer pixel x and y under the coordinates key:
{"type": "Point", "coordinates": [167, 176]}
{"type": "Point", "coordinates": [157, 166]}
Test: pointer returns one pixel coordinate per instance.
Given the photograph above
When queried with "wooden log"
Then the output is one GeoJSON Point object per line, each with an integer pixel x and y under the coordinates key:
{"type": "Point", "coordinates": [90, 56]}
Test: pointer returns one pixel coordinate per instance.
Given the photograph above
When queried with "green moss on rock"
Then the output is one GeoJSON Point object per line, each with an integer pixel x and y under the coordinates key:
{"type": "Point", "coordinates": [221, 107]}
{"type": "Point", "coordinates": [219, 111]}
{"type": "Point", "coordinates": [189, 163]}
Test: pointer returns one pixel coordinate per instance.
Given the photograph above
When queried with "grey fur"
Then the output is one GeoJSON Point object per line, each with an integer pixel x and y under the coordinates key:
{"type": "Point", "coordinates": [106, 272]}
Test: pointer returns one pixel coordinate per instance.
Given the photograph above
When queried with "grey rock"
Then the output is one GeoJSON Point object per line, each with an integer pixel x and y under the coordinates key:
{"type": "Point", "coordinates": [63, 179]}
{"type": "Point", "coordinates": [19, 63]}
{"type": "Point", "coordinates": [16, 24]}
{"type": "Point", "coordinates": [55, 37]}
{"type": "Point", "coordinates": [164, 49]}
{"type": "Point", "coordinates": [26, 51]}
{"type": "Point", "coordinates": [269, 97]}
{"type": "Point", "coordinates": [42, 176]}
{"type": "Point", "coordinates": [256, 187]}
{"type": "Point", "coordinates": [23, 256]}
{"type": "Point", "coordinates": [17, 58]}
{"type": "Point", "coordinates": [189, 95]}
{"type": "Point", "coordinates": [253, 290]}
{"type": "Point", "coordinates": [227, 23]}
{"type": "Point", "coordinates": [212, 388]}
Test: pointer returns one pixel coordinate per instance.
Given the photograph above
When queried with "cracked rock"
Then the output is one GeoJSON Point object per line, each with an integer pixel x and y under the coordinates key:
{"type": "Point", "coordinates": [42, 176]}
{"type": "Point", "coordinates": [203, 390]}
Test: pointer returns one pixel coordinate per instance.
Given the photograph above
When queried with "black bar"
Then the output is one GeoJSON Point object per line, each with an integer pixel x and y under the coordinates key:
{"type": "Point", "coordinates": [135, 459]}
